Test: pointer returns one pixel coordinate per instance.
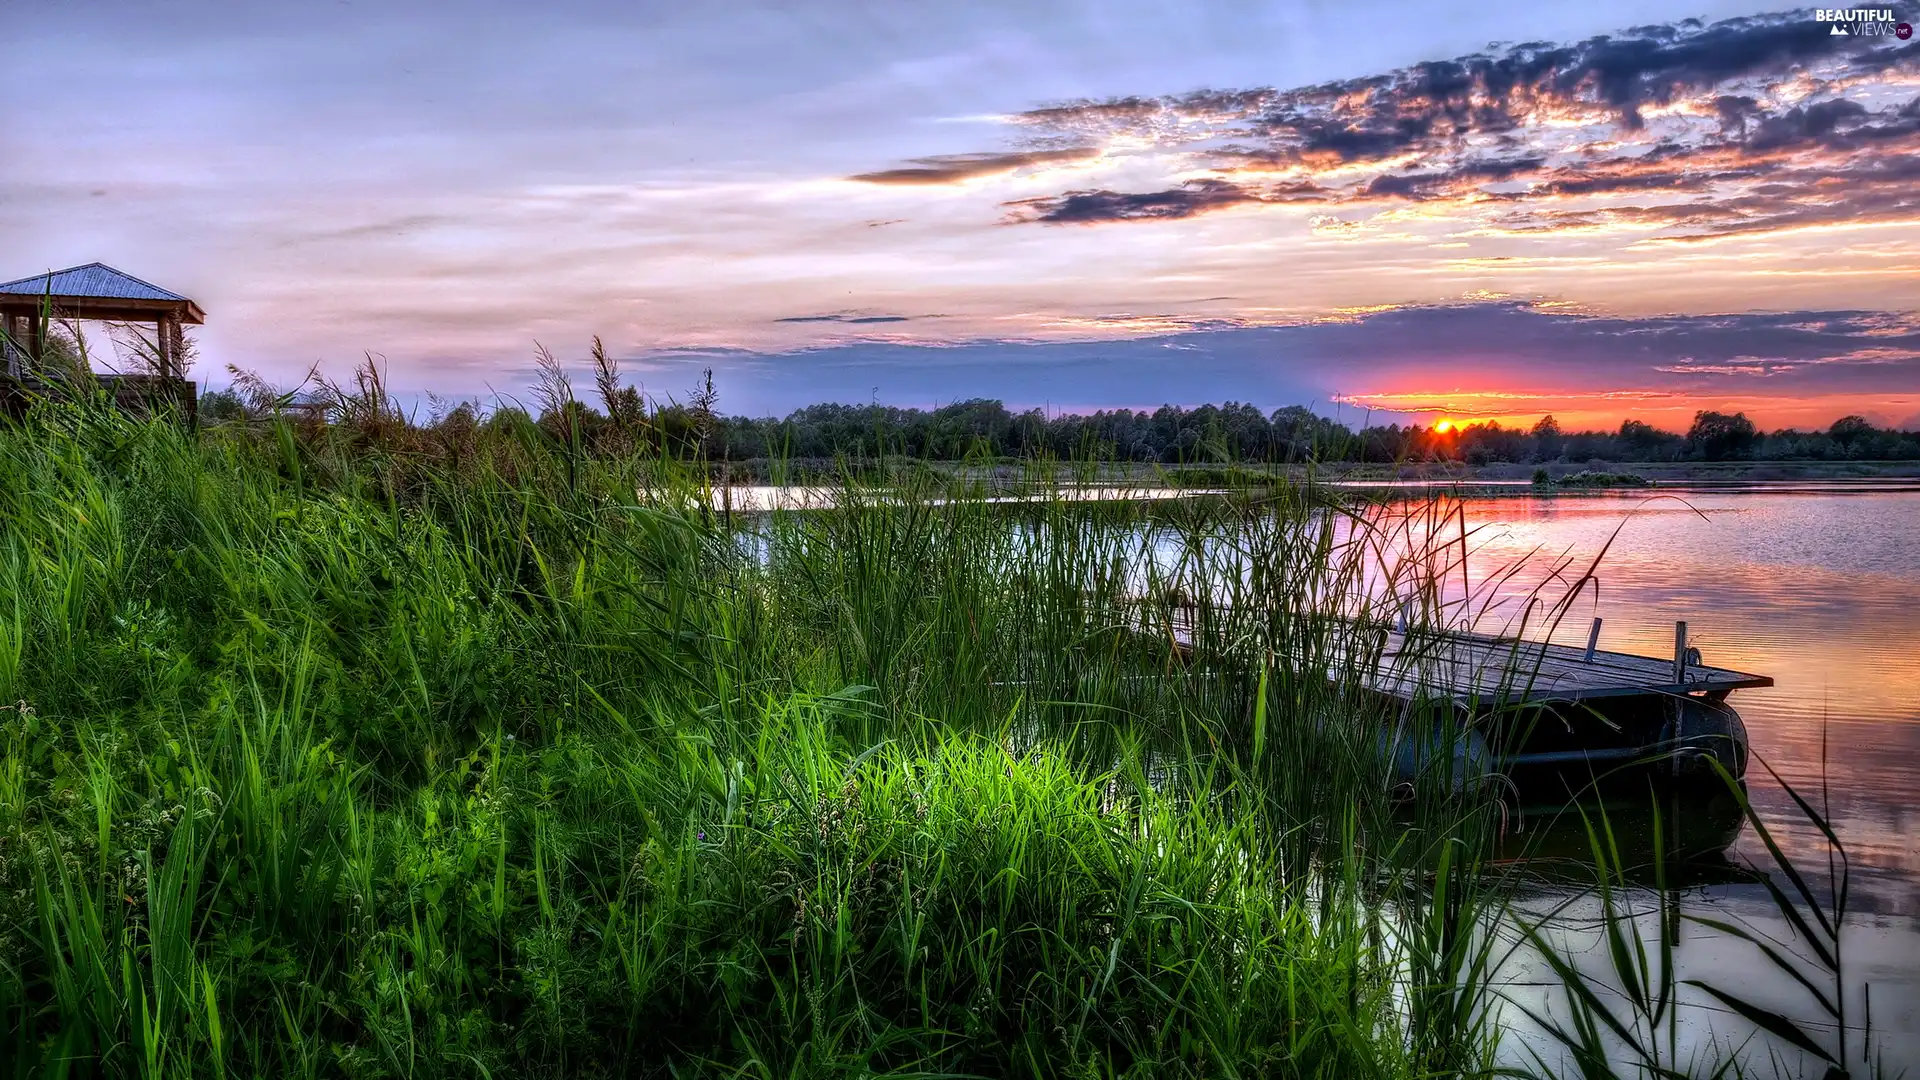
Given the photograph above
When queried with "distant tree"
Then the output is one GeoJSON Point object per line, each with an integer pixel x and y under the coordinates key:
{"type": "Point", "coordinates": [1482, 444]}
{"type": "Point", "coordinates": [507, 420]}
{"type": "Point", "coordinates": [1383, 444]}
{"type": "Point", "coordinates": [455, 428]}
{"type": "Point", "coordinates": [1639, 436]}
{"type": "Point", "coordinates": [1849, 432]}
{"type": "Point", "coordinates": [1547, 441]}
{"type": "Point", "coordinates": [1716, 436]}
{"type": "Point", "coordinates": [221, 406]}
{"type": "Point", "coordinates": [1028, 432]}
{"type": "Point", "coordinates": [1300, 433]}
{"type": "Point", "coordinates": [1640, 441]}
{"type": "Point", "coordinates": [985, 428]}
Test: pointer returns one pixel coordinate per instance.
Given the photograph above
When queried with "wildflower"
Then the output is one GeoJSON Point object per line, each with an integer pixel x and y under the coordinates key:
{"type": "Point", "coordinates": [702, 835]}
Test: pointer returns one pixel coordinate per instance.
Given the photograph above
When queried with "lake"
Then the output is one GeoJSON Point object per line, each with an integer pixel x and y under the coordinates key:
{"type": "Point", "coordinates": [1817, 586]}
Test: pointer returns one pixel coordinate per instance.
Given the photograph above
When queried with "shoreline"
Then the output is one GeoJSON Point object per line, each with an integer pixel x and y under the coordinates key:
{"type": "Point", "coordinates": [1501, 478]}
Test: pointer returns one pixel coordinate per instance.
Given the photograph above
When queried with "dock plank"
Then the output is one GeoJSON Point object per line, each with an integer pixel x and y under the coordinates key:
{"type": "Point", "coordinates": [1472, 668]}
{"type": "Point", "coordinates": [1467, 666]}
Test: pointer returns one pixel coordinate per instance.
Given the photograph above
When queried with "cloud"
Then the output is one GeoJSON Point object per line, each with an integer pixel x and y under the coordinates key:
{"type": "Point", "coordinates": [1757, 366]}
{"type": "Point", "coordinates": [1610, 78]}
{"type": "Point", "coordinates": [1450, 182]}
{"type": "Point", "coordinates": [1689, 130]}
{"type": "Point", "coordinates": [848, 317]}
{"type": "Point", "coordinates": [953, 168]}
{"type": "Point", "coordinates": [374, 230]}
{"type": "Point", "coordinates": [1089, 207]}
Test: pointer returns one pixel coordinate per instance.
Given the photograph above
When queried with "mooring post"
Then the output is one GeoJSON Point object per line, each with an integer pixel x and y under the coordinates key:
{"type": "Point", "coordinates": [1593, 640]}
{"type": "Point", "coordinates": [1679, 652]}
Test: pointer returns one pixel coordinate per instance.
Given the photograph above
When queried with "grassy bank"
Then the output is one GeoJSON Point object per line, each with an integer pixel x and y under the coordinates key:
{"type": "Point", "coordinates": [331, 753]}
{"type": "Point", "coordinates": [367, 750]}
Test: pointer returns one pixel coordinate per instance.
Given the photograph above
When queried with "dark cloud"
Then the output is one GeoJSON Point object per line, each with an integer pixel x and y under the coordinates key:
{"type": "Point", "coordinates": [1570, 182]}
{"type": "Point", "coordinates": [1412, 109]}
{"type": "Point", "coordinates": [1088, 207]}
{"type": "Point", "coordinates": [1768, 112]}
{"type": "Point", "coordinates": [1125, 111]}
{"type": "Point", "coordinates": [953, 168]}
{"type": "Point", "coordinates": [1791, 196]}
{"type": "Point", "coordinates": [1839, 125]}
{"type": "Point", "coordinates": [1416, 186]}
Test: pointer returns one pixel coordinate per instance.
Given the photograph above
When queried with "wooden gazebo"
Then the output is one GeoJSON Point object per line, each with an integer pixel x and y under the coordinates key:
{"type": "Point", "coordinates": [95, 291]}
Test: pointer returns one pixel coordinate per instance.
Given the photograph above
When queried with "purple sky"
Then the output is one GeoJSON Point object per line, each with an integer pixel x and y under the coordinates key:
{"type": "Point", "coordinates": [1085, 205]}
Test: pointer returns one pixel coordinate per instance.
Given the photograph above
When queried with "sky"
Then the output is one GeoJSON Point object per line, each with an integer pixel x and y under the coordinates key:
{"type": "Point", "coordinates": [1390, 211]}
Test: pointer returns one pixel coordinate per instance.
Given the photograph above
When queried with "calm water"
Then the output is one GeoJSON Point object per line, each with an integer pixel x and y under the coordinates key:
{"type": "Point", "coordinates": [1818, 587]}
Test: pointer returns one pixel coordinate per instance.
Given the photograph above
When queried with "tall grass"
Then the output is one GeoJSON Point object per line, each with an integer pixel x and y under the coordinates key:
{"type": "Point", "coordinates": [331, 754]}
{"type": "Point", "coordinates": [364, 751]}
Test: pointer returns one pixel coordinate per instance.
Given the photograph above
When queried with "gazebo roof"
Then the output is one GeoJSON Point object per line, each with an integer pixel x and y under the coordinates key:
{"type": "Point", "coordinates": [98, 290]}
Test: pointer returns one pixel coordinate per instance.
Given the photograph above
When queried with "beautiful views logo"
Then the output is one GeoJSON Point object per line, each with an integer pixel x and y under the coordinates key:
{"type": "Point", "coordinates": [1862, 22]}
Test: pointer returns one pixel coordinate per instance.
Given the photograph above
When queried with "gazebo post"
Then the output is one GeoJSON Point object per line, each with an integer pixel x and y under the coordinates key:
{"type": "Point", "coordinates": [36, 338]}
{"type": "Point", "coordinates": [163, 343]}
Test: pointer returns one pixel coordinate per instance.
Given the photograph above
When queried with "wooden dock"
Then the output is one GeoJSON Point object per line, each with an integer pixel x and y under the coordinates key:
{"type": "Point", "coordinates": [1489, 670]}
{"type": "Point", "coordinates": [1486, 670]}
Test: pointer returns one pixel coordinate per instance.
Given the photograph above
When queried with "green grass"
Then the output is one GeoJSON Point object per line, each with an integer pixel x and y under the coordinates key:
{"type": "Point", "coordinates": [373, 751]}
{"type": "Point", "coordinates": [336, 756]}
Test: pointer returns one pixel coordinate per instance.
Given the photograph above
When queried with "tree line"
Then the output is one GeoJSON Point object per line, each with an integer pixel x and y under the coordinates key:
{"type": "Point", "coordinates": [1171, 434]}
{"type": "Point", "coordinates": [1235, 432]}
{"type": "Point", "coordinates": [1238, 432]}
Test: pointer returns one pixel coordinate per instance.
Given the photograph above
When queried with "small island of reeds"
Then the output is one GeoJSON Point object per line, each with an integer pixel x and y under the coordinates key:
{"type": "Point", "coordinates": [1588, 480]}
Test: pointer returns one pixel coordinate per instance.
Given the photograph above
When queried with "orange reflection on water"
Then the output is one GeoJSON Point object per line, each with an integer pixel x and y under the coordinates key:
{"type": "Point", "coordinates": [1820, 591]}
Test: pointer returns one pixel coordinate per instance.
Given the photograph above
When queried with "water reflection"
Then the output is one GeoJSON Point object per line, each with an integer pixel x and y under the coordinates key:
{"type": "Point", "coordinates": [1820, 589]}
{"type": "Point", "coordinates": [1681, 836]}
{"type": "Point", "coordinates": [1822, 592]}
